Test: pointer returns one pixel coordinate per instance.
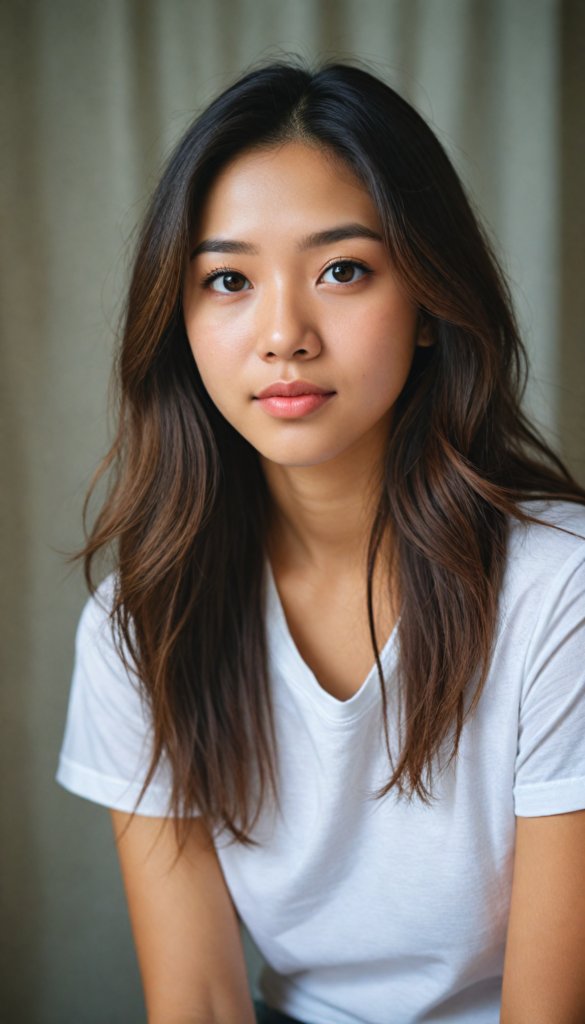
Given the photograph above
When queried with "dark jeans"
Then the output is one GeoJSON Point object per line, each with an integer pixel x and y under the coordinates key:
{"type": "Point", "coordinates": [264, 1015]}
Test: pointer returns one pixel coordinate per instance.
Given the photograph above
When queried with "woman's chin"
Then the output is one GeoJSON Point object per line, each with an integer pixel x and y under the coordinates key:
{"type": "Point", "coordinates": [293, 456]}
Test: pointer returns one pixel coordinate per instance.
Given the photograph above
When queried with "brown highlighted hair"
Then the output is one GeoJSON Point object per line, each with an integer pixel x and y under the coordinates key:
{"type": "Point", "coordinates": [188, 508]}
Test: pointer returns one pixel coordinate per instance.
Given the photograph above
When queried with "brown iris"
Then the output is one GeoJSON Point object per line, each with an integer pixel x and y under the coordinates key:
{"type": "Point", "coordinates": [233, 282]}
{"type": "Point", "coordinates": [343, 272]}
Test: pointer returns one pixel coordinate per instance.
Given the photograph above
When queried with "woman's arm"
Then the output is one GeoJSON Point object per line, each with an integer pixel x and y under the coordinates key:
{"type": "Point", "coordinates": [544, 972]}
{"type": "Point", "coordinates": [184, 923]}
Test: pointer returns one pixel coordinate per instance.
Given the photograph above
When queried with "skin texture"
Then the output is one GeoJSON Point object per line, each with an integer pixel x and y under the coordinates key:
{"type": "Point", "coordinates": [355, 339]}
{"type": "Point", "coordinates": [293, 321]}
{"type": "Point", "coordinates": [544, 974]}
{"type": "Point", "coordinates": [184, 923]}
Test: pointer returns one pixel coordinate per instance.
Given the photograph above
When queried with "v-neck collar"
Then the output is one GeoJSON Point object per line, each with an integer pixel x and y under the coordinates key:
{"type": "Point", "coordinates": [286, 659]}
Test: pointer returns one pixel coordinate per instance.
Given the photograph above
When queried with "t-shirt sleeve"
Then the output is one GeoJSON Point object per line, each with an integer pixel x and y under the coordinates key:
{"type": "Point", "coordinates": [550, 763]}
{"type": "Point", "coordinates": [106, 749]}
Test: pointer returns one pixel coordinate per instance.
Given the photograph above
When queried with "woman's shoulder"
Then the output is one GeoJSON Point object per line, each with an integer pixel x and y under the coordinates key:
{"type": "Point", "coordinates": [555, 534]}
{"type": "Point", "coordinates": [95, 620]}
{"type": "Point", "coordinates": [543, 640]}
{"type": "Point", "coordinates": [97, 634]}
{"type": "Point", "coordinates": [546, 557]}
{"type": "Point", "coordinates": [106, 749]}
{"type": "Point", "coordinates": [103, 671]}
{"type": "Point", "coordinates": [98, 640]}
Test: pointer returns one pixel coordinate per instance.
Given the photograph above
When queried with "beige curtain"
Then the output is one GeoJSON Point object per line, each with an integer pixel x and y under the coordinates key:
{"type": "Point", "coordinates": [93, 93]}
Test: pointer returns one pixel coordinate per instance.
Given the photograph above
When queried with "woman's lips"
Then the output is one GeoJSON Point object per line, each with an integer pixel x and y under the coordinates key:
{"type": "Point", "coordinates": [295, 407]}
{"type": "Point", "coordinates": [293, 399]}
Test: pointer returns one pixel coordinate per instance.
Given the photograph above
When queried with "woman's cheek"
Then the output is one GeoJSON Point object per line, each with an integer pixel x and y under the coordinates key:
{"type": "Point", "coordinates": [379, 364]}
{"type": "Point", "coordinates": [222, 368]}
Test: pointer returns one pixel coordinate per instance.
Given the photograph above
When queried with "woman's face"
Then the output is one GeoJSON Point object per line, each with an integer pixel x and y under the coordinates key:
{"type": "Point", "coordinates": [302, 336]}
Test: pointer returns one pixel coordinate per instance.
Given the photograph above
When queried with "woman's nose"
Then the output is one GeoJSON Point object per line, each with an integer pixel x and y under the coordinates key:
{"type": "Point", "coordinates": [285, 330]}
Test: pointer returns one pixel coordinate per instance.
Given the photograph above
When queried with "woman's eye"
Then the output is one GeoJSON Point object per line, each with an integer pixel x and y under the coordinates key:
{"type": "Point", "coordinates": [229, 282]}
{"type": "Point", "coordinates": [343, 273]}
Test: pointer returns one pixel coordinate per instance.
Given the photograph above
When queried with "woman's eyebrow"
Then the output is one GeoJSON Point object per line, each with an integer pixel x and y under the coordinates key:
{"type": "Point", "coordinates": [339, 234]}
{"type": "Point", "coordinates": [225, 245]}
{"type": "Point", "coordinates": [327, 237]}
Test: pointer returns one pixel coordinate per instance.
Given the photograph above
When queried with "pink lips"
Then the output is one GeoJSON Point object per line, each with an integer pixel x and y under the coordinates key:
{"type": "Point", "coordinates": [293, 399]}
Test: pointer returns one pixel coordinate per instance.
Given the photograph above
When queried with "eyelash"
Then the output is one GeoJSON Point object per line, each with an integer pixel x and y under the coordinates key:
{"type": "Point", "coordinates": [214, 274]}
{"type": "Point", "coordinates": [343, 261]}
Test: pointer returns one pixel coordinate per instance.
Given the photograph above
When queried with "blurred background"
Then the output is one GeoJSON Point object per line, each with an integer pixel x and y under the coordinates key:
{"type": "Point", "coordinates": [93, 95]}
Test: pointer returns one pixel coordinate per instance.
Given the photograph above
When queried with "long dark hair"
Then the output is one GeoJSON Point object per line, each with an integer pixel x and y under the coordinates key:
{"type": "Point", "coordinates": [188, 507]}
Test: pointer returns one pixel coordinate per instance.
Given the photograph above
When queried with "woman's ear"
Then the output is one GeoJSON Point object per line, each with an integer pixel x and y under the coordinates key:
{"type": "Point", "coordinates": [425, 335]}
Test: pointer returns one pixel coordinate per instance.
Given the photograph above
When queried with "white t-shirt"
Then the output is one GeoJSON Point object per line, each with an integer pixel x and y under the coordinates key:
{"type": "Point", "coordinates": [379, 911]}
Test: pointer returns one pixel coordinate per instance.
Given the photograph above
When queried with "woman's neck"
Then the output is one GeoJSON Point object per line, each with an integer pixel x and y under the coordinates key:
{"type": "Point", "coordinates": [324, 512]}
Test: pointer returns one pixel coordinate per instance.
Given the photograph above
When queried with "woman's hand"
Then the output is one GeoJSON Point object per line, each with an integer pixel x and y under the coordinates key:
{"type": "Point", "coordinates": [185, 926]}
{"type": "Point", "coordinates": [544, 973]}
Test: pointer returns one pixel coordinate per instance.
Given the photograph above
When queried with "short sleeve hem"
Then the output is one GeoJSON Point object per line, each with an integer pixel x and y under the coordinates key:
{"type": "Point", "coordinates": [117, 794]}
{"type": "Point", "coordinates": [543, 798]}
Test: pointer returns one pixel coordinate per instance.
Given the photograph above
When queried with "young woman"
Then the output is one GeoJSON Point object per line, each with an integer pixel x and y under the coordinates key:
{"type": "Point", "coordinates": [335, 686]}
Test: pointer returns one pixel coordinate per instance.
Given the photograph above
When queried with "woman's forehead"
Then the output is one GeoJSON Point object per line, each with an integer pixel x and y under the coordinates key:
{"type": "Point", "coordinates": [285, 187]}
